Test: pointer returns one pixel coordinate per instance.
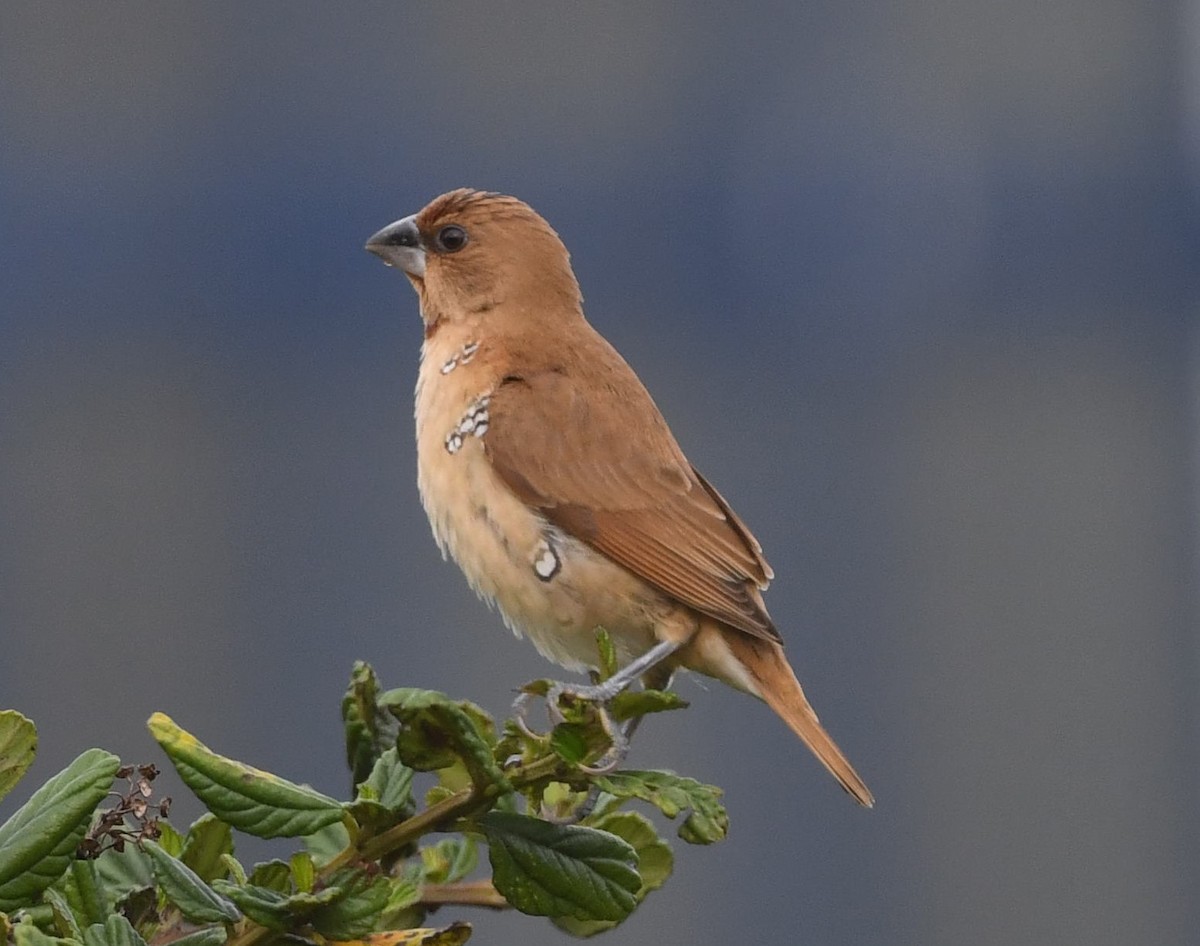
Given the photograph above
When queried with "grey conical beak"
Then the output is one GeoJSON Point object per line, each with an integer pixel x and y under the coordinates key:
{"type": "Point", "coordinates": [399, 244]}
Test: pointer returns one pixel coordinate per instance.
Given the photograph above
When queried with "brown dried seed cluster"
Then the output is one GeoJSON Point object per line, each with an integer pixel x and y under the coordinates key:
{"type": "Point", "coordinates": [133, 818]}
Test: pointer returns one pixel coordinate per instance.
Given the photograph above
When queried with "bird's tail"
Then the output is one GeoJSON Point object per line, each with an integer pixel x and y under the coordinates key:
{"type": "Point", "coordinates": [777, 685]}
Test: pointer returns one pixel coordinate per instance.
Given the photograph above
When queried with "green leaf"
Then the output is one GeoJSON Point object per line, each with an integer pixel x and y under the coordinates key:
{"type": "Point", "coordinates": [196, 900]}
{"type": "Point", "coordinates": [327, 843]}
{"type": "Point", "coordinates": [116, 931]}
{"type": "Point", "coordinates": [233, 867]}
{"type": "Point", "coordinates": [355, 913]}
{"type": "Point", "coordinates": [119, 874]}
{"type": "Point", "coordinates": [670, 793]}
{"type": "Point", "coordinates": [26, 933]}
{"type": "Point", "coordinates": [631, 703]}
{"type": "Point", "coordinates": [251, 800]}
{"type": "Point", "coordinates": [274, 875]}
{"type": "Point", "coordinates": [569, 742]}
{"type": "Point", "coordinates": [18, 745]}
{"type": "Point", "coordinates": [272, 909]}
{"type": "Point", "coordinates": [369, 729]}
{"type": "Point", "coordinates": [209, 936]}
{"type": "Point", "coordinates": [608, 653]}
{"type": "Point", "coordinates": [390, 783]}
{"type": "Point", "coordinates": [450, 860]}
{"type": "Point", "coordinates": [546, 869]}
{"type": "Point", "coordinates": [456, 934]}
{"type": "Point", "coordinates": [169, 839]}
{"type": "Point", "coordinates": [404, 892]}
{"type": "Point", "coordinates": [207, 839]}
{"type": "Point", "coordinates": [65, 922]}
{"type": "Point", "coordinates": [37, 842]}
{"type": "Point", "coordinates": [94, 935]}
{"type": "Point", "coordinates": [85, 894]}
{"type": "Point", "coordinates": [385, 798]}
{"type": "Point", "coordinates": [304, 871]}
{"type": "Point", "coordinates": [437, 731]}
{"type": "Point", "coordinates": [655, 862]}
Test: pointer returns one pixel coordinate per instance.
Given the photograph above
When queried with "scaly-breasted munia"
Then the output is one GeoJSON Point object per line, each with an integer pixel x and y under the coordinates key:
{"type": "Point", "coordinates": [551, 478]}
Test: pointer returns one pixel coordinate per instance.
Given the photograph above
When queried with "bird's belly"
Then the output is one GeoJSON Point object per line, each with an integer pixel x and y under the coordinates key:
{"type": "Point", "coordinates": [548, 586]}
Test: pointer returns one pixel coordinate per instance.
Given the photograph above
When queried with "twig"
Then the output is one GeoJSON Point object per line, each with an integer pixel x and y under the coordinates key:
{"type": "Point", "coordinates": [471, 893]}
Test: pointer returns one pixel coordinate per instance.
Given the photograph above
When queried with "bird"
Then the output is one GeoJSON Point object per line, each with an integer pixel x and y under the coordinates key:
{"type": "Point", "coordinates": [551, 478]}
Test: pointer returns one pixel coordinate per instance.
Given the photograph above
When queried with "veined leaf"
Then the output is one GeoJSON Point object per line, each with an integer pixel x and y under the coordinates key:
{"type": "Point", "coordinates": [436, 732]}
{"type": "Point", "coordinates": [327, 843]}
{"type": "Point", "coordinates": [115, 931]}
{"type": "Point", "coordinates": [207, 839]}
{"type": "Point", "coordinates": [26, 934]}
{"type": "Point", "coordinates": [117, 874]}
{"type": "Point", "coordinates": [357, 910]}
{"type": "Point", "coordinates": [250, 799]}
{"type": "Point", "coordinates": [66, 924]}
{"type": "Point", "coordinates": [274, 875]}
{"type": "Point", "coordinates": [670, 793]}
{"type": "Point", "coordinates": [18, 745]}
{"type": "Point", "coordinates": [195, 899]}
{"type": "Point", "coordinates": [272, 909]}
{"type": "Point", "coordinates": [454, 935]}
{"type": "Point", "coordinates": [655, 863]}
{"type": "Point", "coordinates": [37, 842]}
{"type": "Point", "coordinates": [546, 869]}
{"type": "Point", "coordinates": [449, 861]}
{"type": "Point", "coordinates": [385, 798]}
{"type": "Point", "coordinates": [630, 703]}
{"type": "Point", "coordinates": [85, 894]}
{"type": "Point", "coordinates": [209, 936]}
{"type": "Point", "coordinates": [370, 731]}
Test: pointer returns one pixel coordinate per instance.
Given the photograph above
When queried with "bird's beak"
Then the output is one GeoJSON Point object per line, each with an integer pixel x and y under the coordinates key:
{"type": "Point", "coordinates": [399, 244]}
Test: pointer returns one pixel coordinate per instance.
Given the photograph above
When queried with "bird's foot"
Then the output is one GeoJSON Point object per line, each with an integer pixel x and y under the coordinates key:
{"type": "Point", "coordinates": [565, 703]}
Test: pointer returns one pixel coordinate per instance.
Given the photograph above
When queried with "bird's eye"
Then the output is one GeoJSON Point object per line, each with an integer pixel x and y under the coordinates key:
{"type": "Point", "coordinates": [451, 239]}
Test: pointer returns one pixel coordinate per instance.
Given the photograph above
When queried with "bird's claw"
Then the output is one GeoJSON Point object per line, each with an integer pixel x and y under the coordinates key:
{"type": "Point", "coordinates": [599, 695]}
{"type": "Point", "coordinates": [612, 759]}
{"type": "Point", "coordinates": [520, 710]}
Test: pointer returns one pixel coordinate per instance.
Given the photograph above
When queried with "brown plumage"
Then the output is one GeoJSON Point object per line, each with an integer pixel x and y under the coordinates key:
{"type": "Point", "coordinates": [550, 476]}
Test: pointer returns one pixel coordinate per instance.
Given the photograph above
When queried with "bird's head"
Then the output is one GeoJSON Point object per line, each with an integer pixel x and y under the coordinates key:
{"type": "Point", "coordinates": [468, 252]}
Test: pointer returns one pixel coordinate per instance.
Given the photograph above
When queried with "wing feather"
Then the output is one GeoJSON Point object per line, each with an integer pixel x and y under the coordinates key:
{"type": "Point", "coordinates": [607, 470]}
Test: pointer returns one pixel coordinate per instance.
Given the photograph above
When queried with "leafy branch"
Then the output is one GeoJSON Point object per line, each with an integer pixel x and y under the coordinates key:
{"type": "Point", "coordinates": [84, 864]}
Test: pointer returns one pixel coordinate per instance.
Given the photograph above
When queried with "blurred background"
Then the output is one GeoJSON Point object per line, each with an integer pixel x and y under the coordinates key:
{"type": "Point", "coordinates": [915, 284]}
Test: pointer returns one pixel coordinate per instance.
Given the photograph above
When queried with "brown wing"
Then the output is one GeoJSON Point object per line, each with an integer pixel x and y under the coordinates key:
{"type": "Point", "coordinates": [608, 471]}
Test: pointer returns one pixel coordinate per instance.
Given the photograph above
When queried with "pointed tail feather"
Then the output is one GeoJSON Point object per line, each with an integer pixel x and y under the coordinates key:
{"type": "Point", "coordinates": [779, 688]}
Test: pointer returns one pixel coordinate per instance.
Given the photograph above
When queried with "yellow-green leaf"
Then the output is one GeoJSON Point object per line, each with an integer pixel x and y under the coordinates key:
{"type": "Point", "coordinates": [250, 799]}
{"type": "Point", "coordinates": [454, 935]}
{"type": "Point", "coordinates": [707, 820]}
{"type": "Point", "coordinates": [18, 745]}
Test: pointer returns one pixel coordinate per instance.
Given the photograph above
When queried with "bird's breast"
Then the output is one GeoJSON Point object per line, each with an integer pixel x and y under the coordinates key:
{"type": "Point", "coordinates": [549, 586]}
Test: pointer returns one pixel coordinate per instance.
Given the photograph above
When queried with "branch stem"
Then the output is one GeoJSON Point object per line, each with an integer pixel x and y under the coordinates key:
{"type": "Point", "coordinates": [471, 893]}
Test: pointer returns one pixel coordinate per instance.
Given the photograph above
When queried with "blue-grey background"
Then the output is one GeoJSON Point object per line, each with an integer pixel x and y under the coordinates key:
{"type": "Point", "coordinates": [915, 283]}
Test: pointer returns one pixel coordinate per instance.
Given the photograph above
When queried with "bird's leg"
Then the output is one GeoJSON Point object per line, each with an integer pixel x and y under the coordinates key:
{"type": "Point", "coordinates": [656, 678]}
{"type": "Point", "coordinates": [603, 692]}
{"type": "Point", "coordinates": [647, 664]}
